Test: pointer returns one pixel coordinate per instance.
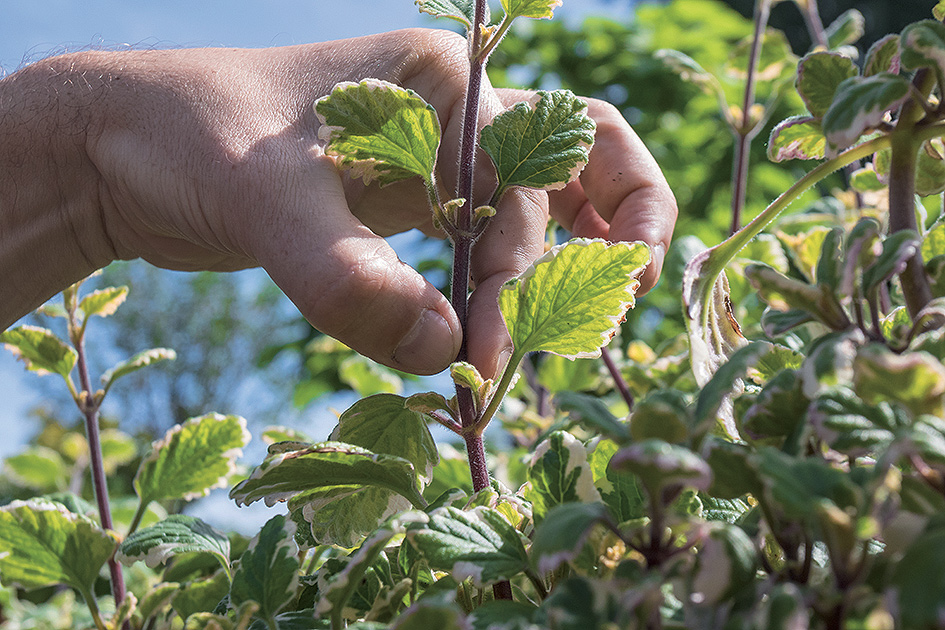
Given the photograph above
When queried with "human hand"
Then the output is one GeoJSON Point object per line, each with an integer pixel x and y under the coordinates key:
{"type": "Point", "coordinates": [210, 159]}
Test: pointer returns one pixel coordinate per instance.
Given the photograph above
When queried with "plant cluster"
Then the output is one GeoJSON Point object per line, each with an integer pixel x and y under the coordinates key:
{"type": "Point", "coordinates": [794, 481]}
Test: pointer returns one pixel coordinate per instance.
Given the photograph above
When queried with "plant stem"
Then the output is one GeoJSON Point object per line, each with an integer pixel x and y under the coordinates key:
{"type": "Point", "coordinates": [619, 381]}
{"type": "Point", "coordinates": [815, 26]}
{"type": "Point", "coordinates": [746, 131]}
{"type": "Point", "coordinates": [89, 408]}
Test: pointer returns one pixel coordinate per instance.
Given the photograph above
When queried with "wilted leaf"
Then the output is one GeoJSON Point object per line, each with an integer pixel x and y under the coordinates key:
{"type": "Point", "coordinates": [859, 105]}
{"type": "Point", "coordinates": [558, 474]}
{"type": "Point", "coordinates": [192, 458]}
{"type": "Point", "coordinates": [819, 74]}
{"type": "Point", "coordinates": [379, 131]}
{"type": "Point", "coordinates": [178, 533]}
{"type": "Point", "coordinates": [267, 572]}
{"type": "Point", "coordinates": [478, 544]}
{"type": "Point", "coordinates": [138, 361]}
{"type": "Point", "coordinates": [560, 537]}
{"type": "Point", "coordinates": [530, 8]}
{"type": "Point", "coordinates": [883, 56]}
{"type": "Point", "coordinates": [545, 146]}
{"type": "Point", "coordinates": [797, 138]}
{"type": "Point", "coordinates": [40, 350]}
{"type": "Point", "coordinates": [571, 300]}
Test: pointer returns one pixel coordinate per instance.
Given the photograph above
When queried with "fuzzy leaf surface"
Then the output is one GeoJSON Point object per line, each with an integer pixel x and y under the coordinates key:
{"type": "Point", "coordinates": [819, 75]}
{"type": "Point", "coordinates": [42, 544]}
{"type": "Point", "coordinates": [40, 350]}
{"type": "Point", "coordinates": [383, 424]}
{"type": "Point", "coordinates": [559, 473]}
{"type": "Point", "coordinates": [478, 544]}
{"type": "Point", "coordinates": [178, 533]}
{"type": "Point", "coordinates": [463, 11]}
{"type": "Point", "coordinates": [572, 299]}
{"type": "Point", "coordinates": [859, 105]}
{"type": "Point", "coordinates": [797, 138]}
{"type": "Point", "coordinates": [267, 572]}
{"type": "Point", "coordinates": [192, 458]}
{"type": "Point", "coordinates": [379, 131]}
{"type": "Point", "coordinates": [923, 45]}
{"type": "Point", "coordinates": [530, 8]}
{"type": "Point", "coordinates": [543, 147]}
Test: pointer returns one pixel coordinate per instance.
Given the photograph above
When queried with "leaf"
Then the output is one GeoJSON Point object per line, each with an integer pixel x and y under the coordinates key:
{"type": "Point", "coordinates": [915, 380]}
{"type": "Point", "coordinates": [561, 536]}
{"type": "Point", "coordinates": [383, 424]}
{"type": "Point", "coordinates": [463, 11]}
{"type": "Point", "coordinates": [846, 29]}
{"type": "Point", "coordinates": [621, 491]}
{"type": "Point", "coordinates": [938, 11]}
{"type": "Point", "coordinates": [138, 361]}
{"type": "Point", "coordinates": [267, 572]}
{"type": "Point", "coordinates": [860, 105]}
{"type": "Point", "coordinates": [923, 46]}
{"type": "Point", "coordinates": [689, 70]}
{"type": "Point", "coordinates": [934, 242]}
{"type": "Point", "coordinates": [663, 414]}
{"type": "Point", "coordinates": [818, 300]}
{"type": "Point", "coordinates": [898, 248]}
{"type": "Point", "coordinates": [335, 591]}
{"type": "Point", "coordinates": [430, 612]}
{"type": "Point", "coordinates": [40, 350]}
{"type": "Point", "coordinates": [799, 486]}
{"type": "Point", "coordinates": [774, 60]}
{"type": "Point", "coordinates": [174, 535]}
{"type": "Point", "coordinates": [43, 544]}
{"type": "Point", "coordinates": [660, 465]}
{"type": "Point", "coordinates": [713, 406]}
{"type": "Point", "coordinates": [379, 131]}
{"type": "Point", "coordinates": [725, 565]}
{"type": "Point", "coordinates": [571, 300]}
{"type": "Point", "coordinates": [201, 596]}
{"type": "Point", "coordinates": [342, 515]}
{"type": "Point", "coordinates": [327, 466]}
{"type": "Point", "coordinates": [558, 473]}
{"type": "Point", "coordinates": [478, 544]}
{"type": "Point", "coordinates": [192, 458]}
{"type": "Point", "coordinates": [930, 169]}
{"type": "Point", "coordinates": [530, 8]}
{"type": "Point", "coordinates": [558, 374]}
{"type": "Point", "coordinates": [592, 413]}
{"type": "Point", "coordinates": [866, 180]}
{"type": "Point", "coordinates": [882, 56]}
{"type": "Point", "coordinates": [39, 468]}
{"type": "Point", "coordinates": [778, 411]}
{"type": "Point", "coordinates": [797, 138]}
{"type": "Point", "coordinates": [819, 74]}
{"type": "Point", "coordinates": [543, 147]}
{"type": "Point", "coordinates": [829, 365]}
{"type": "Point", "coordinates": [850, 426]}
{"type": "Point", "coordinates": [919, 581]}
{"type": "Point", "coordinates": [103, 302]}
{"type": "Point", "coordinates": [367, 377]}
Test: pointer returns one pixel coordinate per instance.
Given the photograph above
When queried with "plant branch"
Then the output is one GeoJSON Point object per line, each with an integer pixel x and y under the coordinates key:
{"type": "Point", "coordinates": [815, 26]}
{"type": "Point", "coordinates": [498, 393]}
{"type": "Point", "coordinates": [619, 382]}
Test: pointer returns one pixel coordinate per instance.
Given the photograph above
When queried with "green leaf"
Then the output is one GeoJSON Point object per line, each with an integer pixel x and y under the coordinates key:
{"type": "Point", "coordinates": [530, 8]}
{"type": "Point", "coordinates": [883, 56]}
{"type": "Point", "coordinates": [174, 535]}
{"type": "Point", "coordinates": [934, 242]}
{"type": "Point", "coordinates": [860, 105]}
{"type": "Point", "coordinates": [382, 424]}
{"type": "Point", "coordinates": [797, 138]}
{"type": "Point", "coordinates": [342, 515]}
{"type": "Point", "coordinates": [829, 365]}
{"type": "Point", "coordinates": [916, 380]}
{"type": "Point", "coordinates": [379, 131]}
{"type": "Point", "coordinates": [818, 300]}
{"type": "Point", "coordinates": [337, 589]}
{"type": "Point", "coordinates": [663, 414]}
{"type": "Point", "coordinates": [725, 565]}
{"type": "Point", "coordinates": [778, 410]}
{"type": "Point", "coordinates": [660, 465]}
{"type": "Point", "coordinates": [561, 536]}
{"type": "Point", "coordinates": [819, 75]}
{"type": "Point", "coordinates": [571, 300]}
{"type": "Point", "coordinates": [930, 169]}
{"type": "Point", "coordinates": [898, 248]}
{"type": "Point", "coordinates": [42, 544]}
{"type": "Point", "coordinates": [478, 544]}
{"type": "Point", "coordinates": [39, 468]}
{"type": "Point", "coordinates": [40, 350]}
{"type": "Point", "coordinates": [558, 374]}
{"type": "Point", "coordinates": [201, 596]}
{"type": "Point", "coordinates": [591, 412]}
{"type": "Point", "coordinates": [920, 582]}
{"type": "Point", "coordinates": [367, 377]}
{"type": "Point", "coordinates": [689, 70]}
{"type": "Point", "coordinates": [621, 491]}
{"type": "Point", "coordinates": [330, 470]}
{"type": "Point", "coordinates": [859, 253]}
{"type": "Point", "coordinates": [714, 401]}
{"type": "Point", "coordinates": [938, 11]}
{"type": "Point", "coordinates": [775, 59]}
{"type": "Point", "coordinates": [138, 361]}
{"type": "Point", "coordinates": [866, 180]}
{"type": "Point", "coordinates": [923, 46]}
{"type": "Point", "coordinates": [851, 426]}
{"type": "Point", "coordinates": [267, 572]}
{"type": "Point", "coordinates": [733, 469]}
{"type": "Point", "coordinates": [192, 458]}
{"type": "Point", "coordinates": [846, 29]}
{"type": "Point", "coordinates": [463, 11]}
{"type": "Point", "coordinates": [558, 474]}
{"type": "Point", "coordinates": [103, 302]}
{"type": "Point", "coordinates": [543, 147]}
{"type": "Point", "coordinates": [430, 612]}
{"type": "Point", "coordinates": [798, 486]}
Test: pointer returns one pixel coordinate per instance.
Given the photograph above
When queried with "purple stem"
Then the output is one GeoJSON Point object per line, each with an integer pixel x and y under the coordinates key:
{"type": "Point", "coordinates": [619, 381]}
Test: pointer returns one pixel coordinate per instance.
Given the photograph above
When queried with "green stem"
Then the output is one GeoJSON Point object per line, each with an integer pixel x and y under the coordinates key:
{"type": "Point", "coordinates": [501, 31]}
{"type": "Point", "coordinates": [93, 608]}
{"type": "Point", "coordinates": [498, 393]}
{"type": "Point", "coordinates": [139, 514]}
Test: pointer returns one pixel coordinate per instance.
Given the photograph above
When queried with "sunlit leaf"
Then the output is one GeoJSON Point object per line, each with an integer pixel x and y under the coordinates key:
{"type": "Point", "coordinates": [854, 427]}
{"type": "Point", "coordinates": [383, 424]}
{"type": "Point", "coordinates": [818, 300]}
{"type": "Point", "coordinates": [103, 302]}
{"type": "Point", "coordinates": [846, 29]}
{"type": "Point", "coordinates": [192, 458]}
{"type": "Point", "coordinates": [543, 146]}
{"type": "Point", "coordinates": [883, 56]}
{"type": "Point", "coordinates": [38, 467]}
{"type": "Point", "coordinates": [860, 105]}
{"type": "Point", "coordinates": [660, 465]}
{"type": "Point", "coordinates": [178, 533]}
{"type": "Point", "coordinates": [530, 8]}
{"type": "Point", "coordinates": [571, 300]}
{"type": "Point", "coordinates": [40, 350]}
{"type": "Point", "coordinates": [379, 131]}
{"type": "Point", "coordinates": [689, 70]}
{"type": "Point", "coordinates": [43, 544]}
{"type": "Point", "coordinates": [819, 75]}
{"type": "Point", "coordinates": [775, 58]}
{"type": "Point", "coordinates": [558, 474]}
{"type": "Point", "coordinates": [463, 11]}
{"type": "Point", "coordinates": [797, 138]}
{"type": "Point", "coordinates": [479, 544]}
{"type": "Point", "coordinates": [267, 573]}
{"type": "Point", "coordinates": [138, 361]}
{"type": "Point", "coordinates": [923, 45]}
{"type": "Point", "coordinates": [620, 490]}
{"type": "Point", "coordinates": [367, 377]}
{"type": "Point", "coordinates": [866, 180]}
{"type": "Point", "coordinates": [560, 537]}
{"type": "Point", "coordinates": [898, 249]}
{"type": "Point", "coordinates": [343, 514]}
{"type": "Point", "coordinates": [914, 379]}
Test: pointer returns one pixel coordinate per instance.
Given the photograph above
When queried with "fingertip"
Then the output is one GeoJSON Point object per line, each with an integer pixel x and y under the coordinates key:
{"type": "Point", "coordinates": [431, 344]}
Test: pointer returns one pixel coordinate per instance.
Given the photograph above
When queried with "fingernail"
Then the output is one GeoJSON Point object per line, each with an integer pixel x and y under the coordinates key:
{"type": "Point", "coordinates": [428, 346]}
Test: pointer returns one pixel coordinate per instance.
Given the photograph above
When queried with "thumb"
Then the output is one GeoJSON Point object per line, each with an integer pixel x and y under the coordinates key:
{"type": "Point", "coordinates": [350, 284]}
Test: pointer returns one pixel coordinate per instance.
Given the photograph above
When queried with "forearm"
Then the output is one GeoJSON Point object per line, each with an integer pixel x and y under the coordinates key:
{"type": "Point", "coordinates": [51, 232]}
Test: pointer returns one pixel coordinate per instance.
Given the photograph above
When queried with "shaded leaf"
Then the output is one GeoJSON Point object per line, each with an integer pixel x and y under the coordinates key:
{"type": "Point", "coordinates": [726, 382]}
{"type": "Point", "coordinates": [930, 169]}
{"type": "Point", "coordinates": [571, 300]}
{"type": "Point", "coordinates": [593, 413]}
{"type": "Point", "coordinates": [201, 596]}
{"type": "Point", "coordinates": [923, 46]}
{"type": "Point", "coordinates": [859, 105]}
{"type": "Point", "coordinates": [192, 458]}
{"type": "Point", "coordinates": [379, 131]}
{"type": "Point", "coordinates": [797, 138]}
{"type": "Point", "coordinates": [40, 350]}
{"type": "Point", "coordinates": [558, 474]}
{"type": "Point", "coordinates": [660, 465]}
{"type": "Point", "coordinates": [367, 377]}
{"type": "Point", "coordinates": [846, 29]}
{"type": "Point", "coordinates": [178, 533]}
{"type": "Point", "coordinates": [898, 248]}
{"type": "Point", "coordinates": [267, 572]}
{"type": "Point", "coordinates": [819, 75]}
{"type": "Point", "coordinates": [829, 365]}
{"type": "Point", "coordinates": [561, 536]}
{"type": "Point", "coordinates": [621, 491]}
{"type": "Point", "coordinates": [920, 581]}
{"type": "Point", "coordinates": [820, 301]}
{"type": "Point", "coordinates": [915, 380]}
{"type": "Point", "coordinates": [544, 146]}
{"type": "Point", "coordinates": [337, 589]}
{"type": "Point", "coordinates": [725, 565]}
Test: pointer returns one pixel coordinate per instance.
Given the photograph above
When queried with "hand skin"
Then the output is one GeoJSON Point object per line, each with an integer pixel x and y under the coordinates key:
{"type": "Point", "coordinates": [210, 159]}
